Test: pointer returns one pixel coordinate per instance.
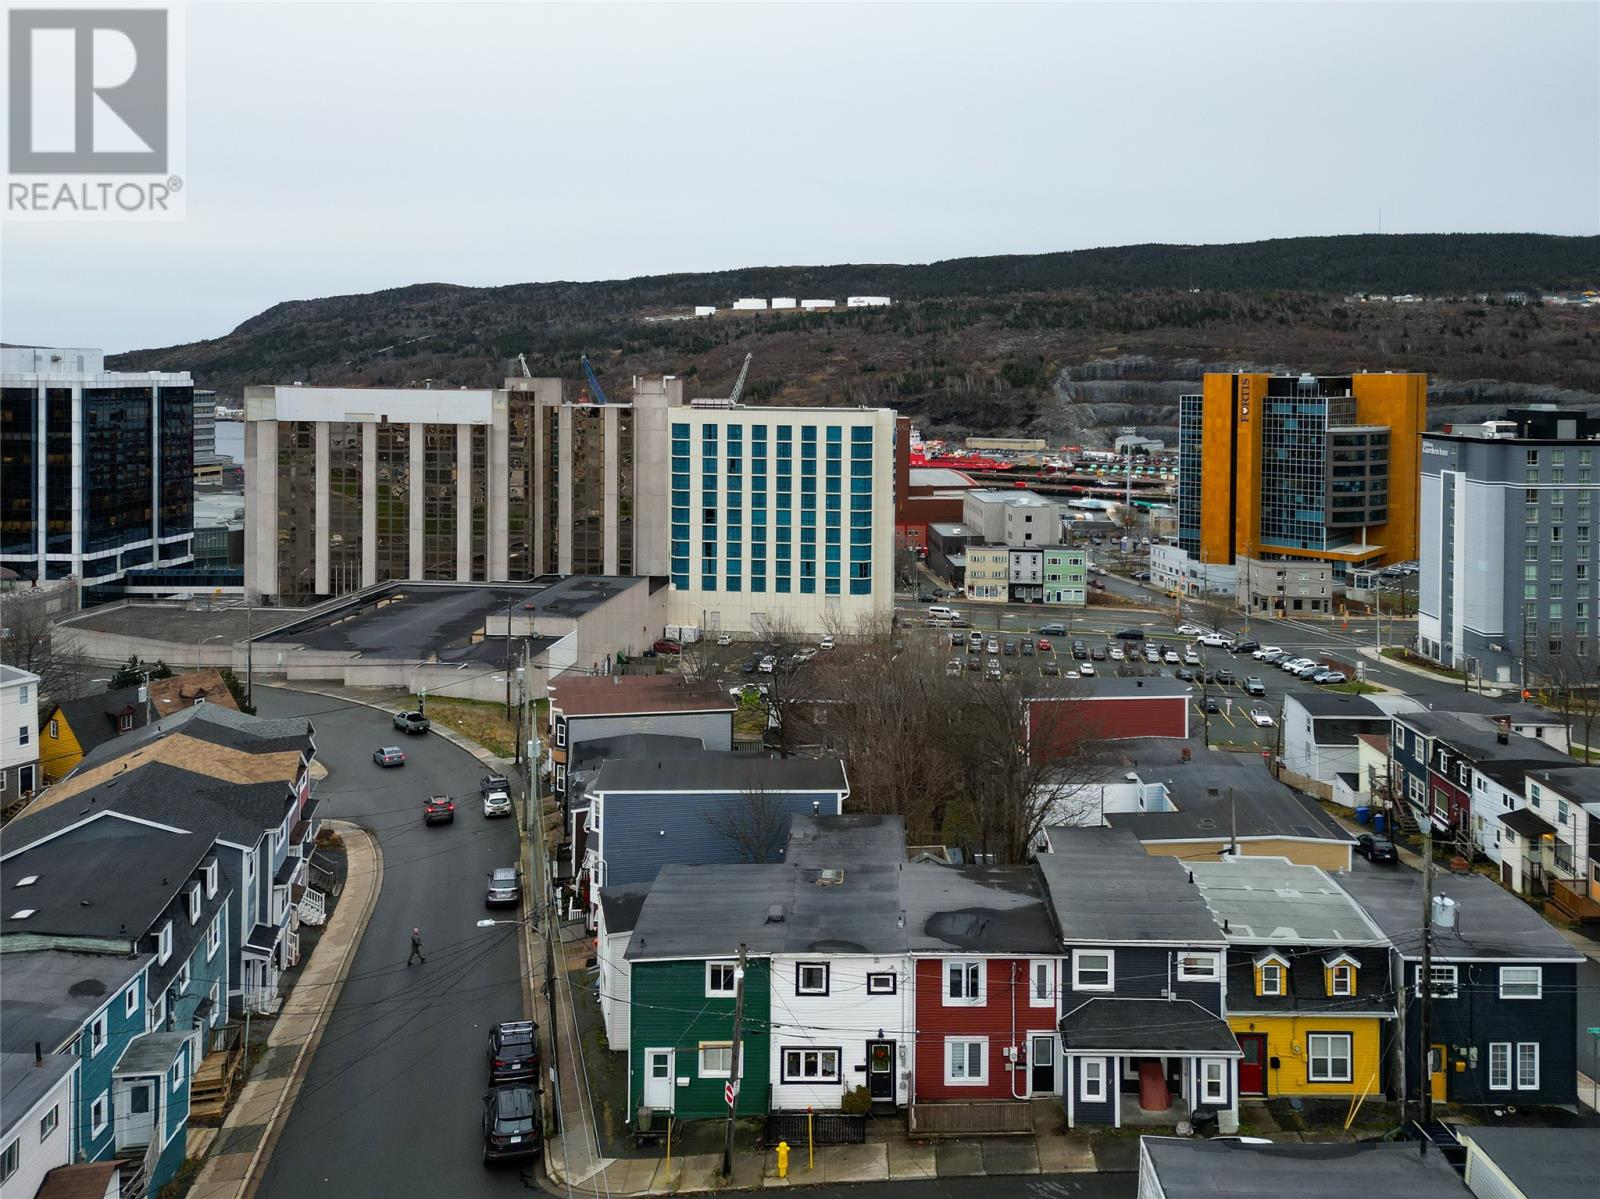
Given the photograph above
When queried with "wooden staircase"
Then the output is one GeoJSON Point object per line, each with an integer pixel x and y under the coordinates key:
{"type": "Point", "coordinates": [216, 1079]}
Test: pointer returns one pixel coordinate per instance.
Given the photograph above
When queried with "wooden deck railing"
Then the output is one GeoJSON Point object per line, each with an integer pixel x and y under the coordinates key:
{"type": "Point", "coordinates": [1573, 902]}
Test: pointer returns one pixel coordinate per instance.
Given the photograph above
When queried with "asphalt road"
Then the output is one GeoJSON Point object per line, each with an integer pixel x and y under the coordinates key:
{"type": "Point", "coordinates": [1048, 1186]}
{"type": "Point", "coordinates": [391, 1105]}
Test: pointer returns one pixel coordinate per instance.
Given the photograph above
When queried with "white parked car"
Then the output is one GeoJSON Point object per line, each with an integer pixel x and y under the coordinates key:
{"type": "Point", "coordinates": [1086, 669]}
{"type": "Point", "coordinates": [724, 639]}
{"type": "Point", "coordinates": [1116, 653]}
{"type": "Point", "coordinates": [827, 641]}
{"type": "Point", "coordinates": [1170, 657]}
{"type": "Point", "coordinates": [804, 654]}
{"type": "Point", "coordinates": [768, 664]}
{"type": "Point", "coordinates": [1190, 656]}
{"type": "Point", "coordinates": [1265, 650]}
{"type": "Point", "coordinates": [1261, 718]}
{"type": "Point", "coordinates": [1070, 674]}
{"type": "Point", "coordinates": [497, 803]}
{"type": "Point", "coordinates": [1216, 639]}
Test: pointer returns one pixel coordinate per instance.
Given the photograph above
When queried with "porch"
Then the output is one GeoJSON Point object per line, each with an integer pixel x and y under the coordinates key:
{"type": "Point", "coordinates": [216, 1079]}
{"type": "Point", "coordinates": [1572, 901]}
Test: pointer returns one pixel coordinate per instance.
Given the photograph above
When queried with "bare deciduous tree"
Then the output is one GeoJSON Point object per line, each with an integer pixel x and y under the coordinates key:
{"type": "Point", "coordinates": [754, 823]}
{"type": "Point", "coordinates": [29, 642]}
{"type": "Point", "coordinates": [1569, 682]}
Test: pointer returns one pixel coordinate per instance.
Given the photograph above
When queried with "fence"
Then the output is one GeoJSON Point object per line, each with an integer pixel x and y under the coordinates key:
{"type": "Point", "coordinates": [827, 1128]}
{"type": "Point", "coordinates": [998, 1118]}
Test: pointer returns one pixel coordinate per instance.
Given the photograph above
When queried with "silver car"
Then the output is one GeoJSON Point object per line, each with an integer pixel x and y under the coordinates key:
{"type": "Point", "coordinates": [505, 888]}
{"type": "Point", "coordinates": [497, 803]}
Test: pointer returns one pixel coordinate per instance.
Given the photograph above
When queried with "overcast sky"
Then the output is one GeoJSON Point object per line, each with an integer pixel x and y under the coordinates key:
{"type": "Point", "coordinates": [346, 148]}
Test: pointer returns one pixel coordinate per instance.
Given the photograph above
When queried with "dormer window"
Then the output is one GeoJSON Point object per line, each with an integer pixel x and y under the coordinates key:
{"type": "Point", "coordinates": [1339, 974]}
{"type": "Point", "coordinates": [1272, 974]}
{"type": "Point", "coordinates": [125, 722]}
{"type": "Point", "coordinates": [193, 894]}
{"type": "Point", "coordinates": [211, 880]}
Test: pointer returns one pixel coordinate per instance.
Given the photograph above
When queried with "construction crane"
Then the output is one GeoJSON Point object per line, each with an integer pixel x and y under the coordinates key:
{"type": "Point", "coordinates": [594, 383]}
{"type": "Point", "coordinates": [738, 387]}
{"type": "Point", "coordinates": [522, 360]}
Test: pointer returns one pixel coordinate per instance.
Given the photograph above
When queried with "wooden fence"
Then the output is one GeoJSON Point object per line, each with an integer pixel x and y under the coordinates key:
{"type": "Point", "coordinates": [1001, 1117]}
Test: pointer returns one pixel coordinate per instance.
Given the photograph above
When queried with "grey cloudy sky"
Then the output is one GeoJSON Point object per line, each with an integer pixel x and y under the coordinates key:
{"type": "Point", "coordinates": [345, 148]}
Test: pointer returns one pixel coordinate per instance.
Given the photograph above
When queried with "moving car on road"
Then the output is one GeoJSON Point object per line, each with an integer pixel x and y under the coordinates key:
{"type": "Point", "coordinates": [1375, 850]}
{"type": "Point", "coordinates": [1246, 647]}
{"type": "Point", "coordinates": [1190, 630]}
{"type": "Point", "coordinates": [505, 888]}
{"type": "Point", "coordinates": [389, 755]}
{"type": "Point", "coordinates": [511, 1125]}
{"type": "Point", "coordinates": [412, 722]}
{"type": "Point", "coordinates": [438, 809]}
{"type": "Point", "coordinates": [513, 1051]}
{"type": "Point", "coordinates": [1130, 634]}
{"type": "Point", "coordinates": [497, 803]}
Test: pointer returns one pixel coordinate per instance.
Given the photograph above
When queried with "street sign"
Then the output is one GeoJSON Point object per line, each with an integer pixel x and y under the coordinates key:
{"type": "Point", "coordinates": [1594, 1032]}
{"type": "Point", "coordinates": [730, 1092]}
{"type": "Point", "coordinates": [1227, 703]}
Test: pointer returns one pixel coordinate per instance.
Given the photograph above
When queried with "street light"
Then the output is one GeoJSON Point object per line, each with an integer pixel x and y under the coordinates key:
{"type": "Point", "coordinates": [491, 923]}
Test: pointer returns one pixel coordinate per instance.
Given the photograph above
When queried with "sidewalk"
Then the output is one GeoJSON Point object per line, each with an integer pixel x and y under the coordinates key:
{"type": "Point", "coordinates": [256, 1119]}
{"type": "Point", "coordinates": [1374, 655]}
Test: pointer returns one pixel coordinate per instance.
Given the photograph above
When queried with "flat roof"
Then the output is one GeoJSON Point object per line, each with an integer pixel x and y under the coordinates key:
{"type": "Point", "coordinates": [1103, 886]}
{"type": "Point", "coordinates": [946, 528]}
{"type": "Point", "coordinates": [938, 476]}
{"type": "Point", "coordinates": [976, 909]}
{"type": "Point", "coordinates": [578, 595]}
{"type": "Point", "coordinates": [50, 993]}
{"type": "Point", "coordinates": [636, 695]}
{"type": "Point", "coordinates": [1190, 1168]}
{"type": "Point", "coordinates": [1550, 1163]}
{"type": "Point", "coordinates": [23, 1083]}
{"type": "Point", "coordinates": [723, 770]}
{"type": "Point", "coordinates": [1490, 921]}
{"type": "Point", "coordinates": [1112, 686]}
{"type": "Point", "coordinates": [1578, 783]}
{"type": "Point", "coordinates": [1323, 702]}
{"type": "Point", "coordinates": [177, 622]}
{"type": "Point", "coordinates": [1272, 900]}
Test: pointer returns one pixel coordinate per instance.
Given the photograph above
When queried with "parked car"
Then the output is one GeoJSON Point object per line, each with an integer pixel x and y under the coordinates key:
{"type": "Point", "coordinates": [1010, 648]}
{"type": "Point", "coordinates": [1170, 657]}
{"type": "Point", "coordinates": [1216, 640]}
{"type": "Point", "coordinates": [957, 639]}
{"type": "Point", "coordinates": [1097, 584]}
{"type": "Point", "coordinates": [1071, 674]}
{"type": "Point", "coordinates": [1098, 653]}
{"type": "Point", "coordinates": [1211, 704]}
{"type": "Point", "coordinates": [1261, 651]}
{"type": "Point", "coordinates": [1049, 667]}
{"type": "Point", "coordinates": [953, 668]}
{"type": "Point", "coordinates": [1190, 630]}
{"type": "Point", "coordinates": [389, 755]}
{"type": "Point", "coordinates": [493, 782]}
{"type": "Point", "coordinates": [974, 663]}
{"type": "Point", "coordinates": [1261, 718]}
{"type": "Point", "coordinates": [1116, 653]}
{"type": "Point", "coordinates": [1375, 850]}
{"type": "Point", "coordinates": [1246, 647]}
{"type": "Point", "coordinates": [768, 664]}
{"type": "Point", "coordinates": [724, 639]}
{"type": "Point", "coordinates": [1130, 634]}
{"type": "Point", "coordinates": [511, 1124]}
{"type": "Point", "coordinates": [1254, 686]}
{"type": "Point", "coordinates": [1054, 630]}
{"type": "Point", "coordinates": [412, 722]}
{"type": "Point", "coordinates": [1326, 677]}
{"type": "Point", "coordinates": [1224, 676]}
{"type": "Point", "coordinates": [992, 646]}
{"type": "Point", "coordinates": [827, 641]}
{"type": "Point", "coordinates": [1046, 646]}
{"type": "Point", "coordinates": [974, 637]}
{"type": "Point", "coordinates": [505, 888]}
{"type": "Point", "coordinates": [1086, 669]}
{"type": "Point", "coordinates": [1183, 674]}
{"type": "Point", "coordinates": [749, 665]}
{"type": "Point", "coordinates": [513, 1051]}
{"type": "Point", "coordinates": [1290, 665]}
{"type": "Point", "coordinates": [993, 671]}
{"type": "Point", "coordinates": [806, 652]}
{"type": "Point", "coordinates": [438, 809]}
{"type": "Point", "coordinates": [1191, 656]}
{"type": "Point", "coordinates": [668, 646]}
{"type": "Point", "coordinates": [1310, 669]}
{"type": "Point", "coordinates": [1027, 647]}
{"type": "Point", "coordinates": [497, 803]}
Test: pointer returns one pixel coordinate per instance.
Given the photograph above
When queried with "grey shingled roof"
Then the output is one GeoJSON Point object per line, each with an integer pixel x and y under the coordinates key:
{"type": "Point", "coordinates": [1103, 886]}
{"type": "Point", "coordinates": [1154, 1026]}
{"type": "Point", "coordinates": [50, 993]}
{"type": "Point", "coordinates": [1546, 1163]}
{"type": "Point", "coordinates": [93, 718]}
{"type": "Point", "coordinates": [720, 771]}
{"type": "Point", "coordinates": [976, 909]}
{"type": "Point", "coordinates": [152, 1053]}
{"type": "Point", "coordinates": [1490, 921]}
{"type": "Point", "coordinates": [217, 724]}
{"type": "Point", "coordinates": [1214, 801]}
{"type": "Point", "coordinates": [620, 906]}
{"type": "Point", "coordinates": [1322, 702]}
{"type": "Point", "coordinates": [23, 1084]}
{"type": "Point", "coordinates": [1196, 1169]}
{"type": "Point", "coordinates": [1272, 901]}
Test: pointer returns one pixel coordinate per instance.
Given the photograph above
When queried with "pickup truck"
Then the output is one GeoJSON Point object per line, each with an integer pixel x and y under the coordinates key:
{"type": "Point", "coordinates": [412, 722]}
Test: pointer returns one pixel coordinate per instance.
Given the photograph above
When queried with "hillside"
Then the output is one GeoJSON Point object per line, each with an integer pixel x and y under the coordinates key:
{"type": "Point", "coordinates": [1054, 344]}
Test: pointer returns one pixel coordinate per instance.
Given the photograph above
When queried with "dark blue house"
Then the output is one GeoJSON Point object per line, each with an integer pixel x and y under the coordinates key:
{"type": "Point", "coordinates": [1503, 1016]}
{"type": "Point", "coordinates": [1141, 983]}
{"type": "Point", "coordinates": [699, 809]}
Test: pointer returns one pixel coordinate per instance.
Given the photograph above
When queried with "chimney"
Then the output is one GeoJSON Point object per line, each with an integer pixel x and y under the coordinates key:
{"type": "Point", "coordinates": [1503, 730]}
{"type": "Point", "coordinates": [38, 1054]}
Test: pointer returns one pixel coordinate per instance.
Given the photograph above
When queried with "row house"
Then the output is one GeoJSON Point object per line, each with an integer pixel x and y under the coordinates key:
{"type": "Point", "coordinates": [241, 782]}
{"type": "Point", "coordinates": [1571, 797]}
{"type": "Point", "coordinates": [1308, 994]}
{"type": "Point", "coordinates": [1142, 1032]}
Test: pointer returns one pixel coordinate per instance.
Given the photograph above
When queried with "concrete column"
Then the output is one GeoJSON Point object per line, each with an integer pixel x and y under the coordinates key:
{"type": "Point", "coordinates": [563, 516]}
{"type": "Point", "coordinates": [497, 470]}
{"type": "Point", "coordinates": [324, 525]}
{"type": "Point", "coordinates": [464, 503]}
{"type": "Point", "coordinates": [414, 497]}
{"type": "Point", "coordinates": [77, 479]}
{"type": "Point", "coordinates": [612, 457]}
{"type": "Point", "coordinates": [155, 476]}
{"type": "Point", "coordinates": [42, 492]}
{"type": "Point", "coordinates": [369, 504]}
{"type": "Point", "coordinates": [261, 506]}
{"type": "Point", "coordinates": [537, 441]}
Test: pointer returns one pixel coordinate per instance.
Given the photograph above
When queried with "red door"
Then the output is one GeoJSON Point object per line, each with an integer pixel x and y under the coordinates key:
{"type": "Point", "coordinates": [1253, 1069]}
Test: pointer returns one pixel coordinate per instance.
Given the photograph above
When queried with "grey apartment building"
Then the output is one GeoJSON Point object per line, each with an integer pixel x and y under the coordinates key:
{"type": "Point", "coordinates": [350, 487]}
{"type": "Point", "coordinates": [96, 466]}
{"type": "Point", "coordinates": [1509, 513]}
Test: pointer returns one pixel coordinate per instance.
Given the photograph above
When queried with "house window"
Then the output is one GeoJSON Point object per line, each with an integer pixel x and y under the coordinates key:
{"type": "Point", "coordinates": [182, 981]}
{"type": "Point", "coordinates": [1521, 982]}
{"type": "Point", "coordinates": [561, 733]}
{"type": "Point", "coordinates": [963, 983]}
{"type": "Point", "coordinates": [194, 902]}
{"type": "Point", "coordinates": [178, 1068]}
{"type": "Point", "coordinates": [1444, 982]}
{"type": "Point", "coordinates": [10, 1159]}
{"type": "Point", "coordinates": [50, 1121]}
{"type": "Point", "coordinates": [1500, 1066]}
{"type": "Point", "coordinates": [158, 1012]}
{"type": "Point", "coordinates": [716, 1059]}
{"type": "Point", "coordinates": [1092, 1080]}
{"type": "Point", "coordinates": [97, 1116]}
{"type": "Point", "coordinates": [1041, 983]}
{"type": "Point", "coordinates": [1198, 968]}
{"type": "Point", "coordinates": [1093, 970]}
{"type": "Point", "coordinates": [811, 978]}
{"type": "Point", "coordinates": [211, 880]}
{"type": "Point", "coordinates": [561, 777]}
{"type": "Point", "coordinates": [1213, 1082]}
{"type": "Point", "coordinates": [130, 1001]}
{"type": "Point", "coordinates": [810, 1065]}
{"type": "Point", "coordinates": [55, 729]}
{"type": "Point", "coordinates": [720, 980]}
{"type": "Point", "coordinates": [164, 942]}
{"type": "Point", "coordinates": [1328, 1057]}
{"type": "Point", "coordinates": [966, 1061]}
{"type": "Point", "coordinates": [97, 1034]}
{"type": "Point", "coordinates": [213, 938]}
{"type": "Point", "coordinates": [1271, 975]}
{"type": "Point", "coordinates": [1527, 1065]}
{"type": "Point", "coordinates": [1342, 980]}
{"type": "Point", "coordinates": [125, 722]}
{"type": "Point", "coordinates": [22, 735]}
{"type": "Point", "coordinates": [881, 984]}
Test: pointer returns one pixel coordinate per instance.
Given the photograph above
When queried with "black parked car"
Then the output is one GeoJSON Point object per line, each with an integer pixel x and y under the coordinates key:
{"type": "Point", "coordinates": [1183, 674]}
{"type": "Point", "coordinates": [511, 1124]}
{"type": "Point", "coordinates": [1224, 675]}
{"type": "Point", "coordinates": [513, 1051]}
{"type": "Point", "coordinates": [1375, 850]}
{"type": "Point", "coordinates": [1246, 647]}
{"type": "Point", "coordinates": [1211, 704]}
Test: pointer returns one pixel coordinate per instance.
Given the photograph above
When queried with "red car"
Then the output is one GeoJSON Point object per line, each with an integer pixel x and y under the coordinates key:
{"type": "Point", "coordinates": [1044, 645]}
{"type": "Point", "coordinates": [438, 809]}
{"type": "Point", "coordinates": [668, 646]}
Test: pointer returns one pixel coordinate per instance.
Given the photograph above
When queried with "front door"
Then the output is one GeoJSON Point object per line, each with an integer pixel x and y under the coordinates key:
{"type": "Point", "coordinates": [880, 1071]}
{"type": "Point", "coordinates": [658, 1080]}
{"type": "Point", "coordinates": [1042, 1064]}
{"type": "Point", "coordinates": [1437, 1074]}
{"type": "Point", "coordinates": [136, 1116]}
{"type": "Point", "coordinates": [1253, 1069]}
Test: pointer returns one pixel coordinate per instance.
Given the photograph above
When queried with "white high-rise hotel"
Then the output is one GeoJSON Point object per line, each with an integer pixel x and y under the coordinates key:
{"type": "Point", "coordinates": [754, 516]}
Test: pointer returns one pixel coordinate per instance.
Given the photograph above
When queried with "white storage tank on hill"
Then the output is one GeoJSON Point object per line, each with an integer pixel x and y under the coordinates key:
{"type": "Point", "coordinates": [814, 305]}
{"type": "Point", "coordinates": [783, 301]}
{"type": "Point", "coordinates": [705, 310]}
{"type": "Point", "coordinates": [867, 302]}
{"type": "Point", "coordinates": [749, 304]}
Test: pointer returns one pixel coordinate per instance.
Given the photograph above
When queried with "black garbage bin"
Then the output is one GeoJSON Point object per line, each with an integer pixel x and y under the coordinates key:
{"type": "Point", "coordinates": [1204, 1121]}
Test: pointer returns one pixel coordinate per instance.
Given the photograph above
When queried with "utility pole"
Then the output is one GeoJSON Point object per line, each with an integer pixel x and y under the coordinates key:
{"type": "Point", "coordinates": [509, 602]}
{"type": "Point", "coordinates": [249, 654]}
{"type": "Point", "coordinates": [737, 1062]}
{"type": "Point", "coordinates": [1425, 982]}
{"type": "Point", "coordinates": [1233, 825]}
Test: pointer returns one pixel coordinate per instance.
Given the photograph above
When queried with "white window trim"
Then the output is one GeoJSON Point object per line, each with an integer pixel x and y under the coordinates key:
{"type": "Point", "coordinates": [97, 1124]}
{"type": "Point", "coordinates": [1516, 1063]}
{"type": "Point", "coordinates": [949, 1075]}
{"type": "Point", "coordinates": [1438, 969]}
{"type": "Point", "coordinates": [561, 734]}
{"type": "Point", "coordinates": [179, 1069]}
{"type": "Point", "coordinates": [164, 943]}
{"type": "Point", "coordinates": [964, 1000]}
{"type": "Point", "coordinates": [1077, 970]}
{"type": "Point", "coordinates": [98, 1025]}
{"type": "Point", "coordinates": [1279, 975]}
{"type": "Point", "coordinates": [801, 988]}
{"type": "Point", "coordinates": [211, 880]}
{"type": "Point", "coordinates": [213, 938]}
{"type": "Point", "coordinates": [799, 1077]}
{"type": "Point", "coordinates": [1346, 972]}
{"type": "Point", "coordinates": [1098, 1093]}
{"type": "Point", "coordinates": [1348, 1056]}
{"type": "Point", "coordinates": [1185, 976]}
{"type": "Point", "coordinates": [51, 1117]}
{"type": "Point", "coordinates": [717, 992]}
{"type": "Point", "coordinates": [1537, 980]}
{"type": "Point", "coordinates": [1505, 1048]}
{"type": "Point", "coordinates": [876, 977]}
{"type": "Point", "coordinates": [130, 1000]}
{"type": "Point", "coordinates": [192, 896]}
{"type": "Point", "coordinates": [700, 1059]}
{"type": "Point", "coordinates": [1208, 1094]}
{"type": "Point", "coordinates": [1048, 965]}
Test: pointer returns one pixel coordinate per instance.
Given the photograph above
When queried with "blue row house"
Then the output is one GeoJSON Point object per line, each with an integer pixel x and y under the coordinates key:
{"type": "Point", "coordinates": [1144, 1038]}
{"type": "Point", "coordinates": [241, 781]}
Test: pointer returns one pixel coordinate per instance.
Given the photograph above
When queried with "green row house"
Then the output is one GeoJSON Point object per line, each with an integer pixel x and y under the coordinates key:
{"type": "Point", "coordinates": [1066, 576]}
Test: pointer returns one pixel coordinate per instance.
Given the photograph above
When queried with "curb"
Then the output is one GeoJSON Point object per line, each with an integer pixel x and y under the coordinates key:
{"type": "Point", "coordinates": [460, 742]}
{"type": "Point", "coordinates": [302, 1063]}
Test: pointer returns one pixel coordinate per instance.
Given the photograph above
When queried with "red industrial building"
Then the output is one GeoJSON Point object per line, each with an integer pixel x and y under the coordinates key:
{"type": "Point", "coordinates": [1107, 709]}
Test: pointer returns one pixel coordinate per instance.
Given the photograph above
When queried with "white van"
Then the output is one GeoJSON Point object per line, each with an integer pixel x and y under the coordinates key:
{"type": "Point", "coordinates": [939, 614]}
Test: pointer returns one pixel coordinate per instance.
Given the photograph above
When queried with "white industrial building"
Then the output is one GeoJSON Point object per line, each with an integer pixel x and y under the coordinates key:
{"type": "Point", "coordinates": [816, 305]}
{"type": "Point", "coordinates": [750, 304]}
{"type": "Point", "coordinates": [783, 301]}
{"type": "Point", "coordinates": [867, 302]}
{"type": "Point", "coordinates": [705, 310]}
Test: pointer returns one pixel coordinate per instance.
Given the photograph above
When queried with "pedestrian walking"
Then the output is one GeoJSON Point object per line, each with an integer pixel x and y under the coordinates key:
{"type": "Point", "coordinates": [416, 947]}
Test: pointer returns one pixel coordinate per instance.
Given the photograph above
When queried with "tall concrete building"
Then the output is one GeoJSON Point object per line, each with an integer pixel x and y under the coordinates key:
{"type": "Point", "coordinates": [1310, 475]}
{"type": "Point", "coordinates": [96, 466]}
{"type": "Point", "coordinates": [349, 487]}
{"type": "Point", "coordinates": [781, 515]}
{"type": "Point", "coordinates": [1510, 513]}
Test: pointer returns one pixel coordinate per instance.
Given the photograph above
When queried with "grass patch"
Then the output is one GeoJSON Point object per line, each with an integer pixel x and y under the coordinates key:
{"type": "Point", "coordinates": [1355, 687]}
{"type": "Point", "coordinates": [482, 721]}
{"type": "Point", "coordinates": [1399, 653]}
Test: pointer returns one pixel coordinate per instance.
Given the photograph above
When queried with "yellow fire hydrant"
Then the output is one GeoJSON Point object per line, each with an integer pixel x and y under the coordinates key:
{"type": "Point", "coordinates": [783, 1159]}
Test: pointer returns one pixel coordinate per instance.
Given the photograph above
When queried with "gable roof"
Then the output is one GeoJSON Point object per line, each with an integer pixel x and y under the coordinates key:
{"type": "Point", "coordinates": [23, 1083]}
{"type": "Point", "coordinates": [1261, 900]}
{"type": "Point", "coordinates": [182, 690]}
{"type": "Point", "coordinates": [1580, 784]}
{"type": "Point", "coordinates": [620, 906]}
{"type": "Point", "coordinates": [1322, 702]}
{"type": "Point", "coordinates": [50, 994]}
{"type": "Point", "coordinates": [1477, 735]}
{"type": "Point", "coordinates": [1103, 886]}
{"type": "Point", "coordinates": [1490, 921]}
{"type": "Point", "coordinates": [210, 724]}
{"type": "Point", "coordinates": [636, 695]}
{"type": "Point", "coordinates": [1154, 1026]}
{"type": "Point", "coordinates": [96, 719]}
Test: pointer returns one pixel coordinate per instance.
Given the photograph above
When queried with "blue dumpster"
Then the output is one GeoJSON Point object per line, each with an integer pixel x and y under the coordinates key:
{"type": "Point", "coordinates": [1377, 822]}
{"type": "Point", "coordinates": [1363, 814]}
